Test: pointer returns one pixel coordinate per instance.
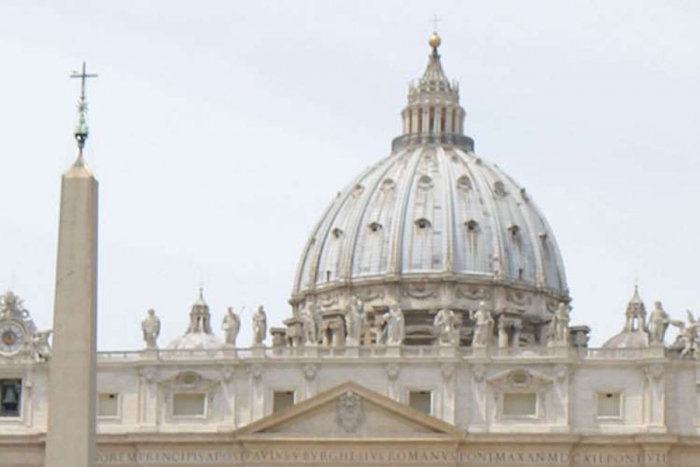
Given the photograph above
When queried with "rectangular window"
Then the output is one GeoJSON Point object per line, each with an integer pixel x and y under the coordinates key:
{"type": "Point", "coordinates": [189, 404]}
{"type": "Point", "coordinates": [520, 404]}
{"type": "Point", "coordinates": [421, 401]}
{"type": "Point", "coordinates": [609, 405]}
{"type": "Point", "coordinates": [10, 397]}
{"type": "Point", "coordinates": [281, 400]}
{"type": "Point", "coordinates": [108, 405]}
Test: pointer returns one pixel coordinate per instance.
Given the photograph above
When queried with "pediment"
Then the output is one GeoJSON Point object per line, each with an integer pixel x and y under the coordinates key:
{"type": "Point", "coordinates": [520, 379]}
{"type": "Point", "coordinates": [349, 411]}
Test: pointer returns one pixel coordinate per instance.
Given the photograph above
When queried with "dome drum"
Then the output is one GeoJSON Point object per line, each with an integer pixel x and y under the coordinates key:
{"type": "Point", "coordinates": [420, 298]}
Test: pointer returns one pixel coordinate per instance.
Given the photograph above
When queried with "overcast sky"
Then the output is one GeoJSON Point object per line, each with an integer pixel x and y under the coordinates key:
{"type": "Point", "coordinates": [221, 130]}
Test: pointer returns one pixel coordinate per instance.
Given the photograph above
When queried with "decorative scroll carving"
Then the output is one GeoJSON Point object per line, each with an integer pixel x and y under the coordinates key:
{"type": "Point", "coordinates": [370, 295]}
{"type": "Point", "coordinates": [519, 298]}
{"type": "Point", "coordinates": [328, 301]}
{"type": "Point", "coordinates": [421, 291]}
{"type": "Point", "coordinates": [473, 293]}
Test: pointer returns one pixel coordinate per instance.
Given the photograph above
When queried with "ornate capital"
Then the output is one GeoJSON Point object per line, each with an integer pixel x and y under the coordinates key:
{"type": "Point", "coordinates": [310, 371]}
{"type": "Point", "coordinates": [392, 371]}
{"type": "Point", "coordinates": [256, 371]}
{"type": "Point", "coordinates": [479, 372]}
{"type": "Point", "coordinates": [447, 370]}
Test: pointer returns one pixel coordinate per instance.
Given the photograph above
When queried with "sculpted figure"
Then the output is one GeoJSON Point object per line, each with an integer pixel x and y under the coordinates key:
{"type": "Point", "coordinates": [231, 326]}
{"type": "Point", "coordinates": [561, 328]}
{"type": "Point", "coordinates": [394, 325]}
{"type": "Point", "coordinates": [687, 335]}
{"type": "Point", "coordinates": [259, 326]}
{"type": "Point", "coordinates": [502, 333]}
{"type": "Point", "coordinates": [151, 329]}
{"type": "Point", "coordinates": [483, 327]}
{"type": "Point", "coordinates": [40, 343]}
{"type": "Point", "coordinates": [658, 324]}
{"type": "Point", "coordinates": [444, 323]}
{"type": "Point", "coordinates": [355, 321]}
{"type": "Point", "coordinates": [308, 315]}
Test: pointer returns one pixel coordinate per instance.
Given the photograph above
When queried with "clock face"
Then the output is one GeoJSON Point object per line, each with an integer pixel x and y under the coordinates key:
{"type": "Point", "coordinates": [11, 337]}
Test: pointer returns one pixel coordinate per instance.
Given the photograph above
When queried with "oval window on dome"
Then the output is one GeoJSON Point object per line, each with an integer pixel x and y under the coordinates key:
{"type": "Point", "coordinates": [337, 232]}
{"type": "Point", "coordinates": [358, 190]}
{"type": "Point", "coordinates": [514, 230]}
{"type": "Point", "coordinates": [422, 223]}
{"type": "Point", "coordinates": [499, 188]}
{"type": "Point", "coordinates": [388, 184]}
{"type": "Point", "coordinates": [375, 227]}
{"type": "Point", "coordinates": [464, 183]}
{"type": "Point", "coordinates": [425, 182]}
{"type": "Point", "coordinates": [472, 226]}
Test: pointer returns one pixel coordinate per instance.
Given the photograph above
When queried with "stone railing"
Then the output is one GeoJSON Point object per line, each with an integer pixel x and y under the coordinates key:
{"type": "Point", "coordinates": [388, 352]}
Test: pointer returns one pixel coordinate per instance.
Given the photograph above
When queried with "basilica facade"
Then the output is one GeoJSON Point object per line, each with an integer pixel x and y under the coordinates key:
{"type": "Point", "coordinates": [429, 325]}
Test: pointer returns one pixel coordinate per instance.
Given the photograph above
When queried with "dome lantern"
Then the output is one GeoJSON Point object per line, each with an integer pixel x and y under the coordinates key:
{"type": "Point", "coordinates": [433, 112]}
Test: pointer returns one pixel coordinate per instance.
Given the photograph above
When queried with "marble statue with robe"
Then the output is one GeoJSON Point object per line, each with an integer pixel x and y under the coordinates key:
{"type": "Point", "coordinates": [231, 325]}
{"type": "Point", "coordinates": [558, 333]}
{"type": "Point", "coordinates": [259, 326]}
{"type": "Point", "coordinates": [658, 324]}
{"type": "Point", "coordinates": [150, 327]}
{"type": "Point", "coordinates": [445, 326]}
{"type": "Point", "coordinates": [309, 328]}
{"type": "Point", "coordinates": [355, 322]}
{"type": "Point", "coordinates": [394, 326]}
{"type": "Point", "coordinates": [483, 326]}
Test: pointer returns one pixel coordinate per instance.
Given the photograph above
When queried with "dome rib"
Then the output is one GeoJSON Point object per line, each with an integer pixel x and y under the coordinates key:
{"type": "Point", "coordinates": [399, 221]}
{"type": "Point", "coordinates": [359, 220]}
{"type": "Point", "coordinates": [447, 210]}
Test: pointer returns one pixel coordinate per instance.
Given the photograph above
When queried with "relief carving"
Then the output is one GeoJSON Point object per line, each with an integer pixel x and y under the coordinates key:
{"type": "Point", "coordinates": [349, 413]}
{"type": "Point", "coordinates": [473, 293]}
{"type": "Point", "coordinates": [519, 298]}
{"type": "Point", "coordinates": [370, 295]}
{"type": "Point", "coordinates": [421, 291]}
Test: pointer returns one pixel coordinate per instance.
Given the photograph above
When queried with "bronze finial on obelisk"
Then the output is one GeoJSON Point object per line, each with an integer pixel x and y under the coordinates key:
{"type": "Point", "coordinates": [81, 128]}
{"type": "Point", "coordinates": [71, 441]}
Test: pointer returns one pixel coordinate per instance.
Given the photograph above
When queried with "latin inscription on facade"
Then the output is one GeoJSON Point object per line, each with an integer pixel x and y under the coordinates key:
{"type": "Point", "coordinates": [376, 457]}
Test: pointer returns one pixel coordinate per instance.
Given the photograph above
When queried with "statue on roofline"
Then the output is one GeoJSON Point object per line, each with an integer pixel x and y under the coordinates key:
{"type": "Point", "coordinates": [259, 326]}
{"type": "Point", "coordinates": [150, 327]}
{"type": "Point", "coordinates": [658, 324]}
{"type": "Point", "coordinates": [231, 326]}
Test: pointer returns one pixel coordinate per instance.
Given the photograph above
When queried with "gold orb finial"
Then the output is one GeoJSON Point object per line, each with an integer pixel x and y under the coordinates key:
{"type": "Point", "coordinates": [434, 40]}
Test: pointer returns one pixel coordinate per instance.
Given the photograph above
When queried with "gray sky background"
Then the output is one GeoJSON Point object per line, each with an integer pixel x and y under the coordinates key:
{"type": "Point", "coordinates": [221, 130]}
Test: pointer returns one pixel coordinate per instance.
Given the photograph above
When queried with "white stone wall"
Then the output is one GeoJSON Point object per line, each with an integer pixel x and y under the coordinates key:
{"type": "Point", "coordinates": [657, 395]}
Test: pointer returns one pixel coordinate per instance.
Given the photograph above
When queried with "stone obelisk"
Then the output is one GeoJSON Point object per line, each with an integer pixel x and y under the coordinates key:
{"type": "Point", "coordinates": [71, 440]}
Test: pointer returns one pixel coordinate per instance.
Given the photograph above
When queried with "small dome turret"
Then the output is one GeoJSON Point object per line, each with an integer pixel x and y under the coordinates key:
{"type": "Point", "coordinates": [634, 332]}
{"type": "Point", "coordinates": [199, 334]}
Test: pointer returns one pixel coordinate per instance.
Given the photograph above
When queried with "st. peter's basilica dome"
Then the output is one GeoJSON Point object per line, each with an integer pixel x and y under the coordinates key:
{"type": "Point", "coordinates": [434, 225]}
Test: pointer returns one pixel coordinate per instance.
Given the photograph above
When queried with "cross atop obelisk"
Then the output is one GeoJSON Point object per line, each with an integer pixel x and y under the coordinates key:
{"type": "Point", "coordinates": [81, 129]}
